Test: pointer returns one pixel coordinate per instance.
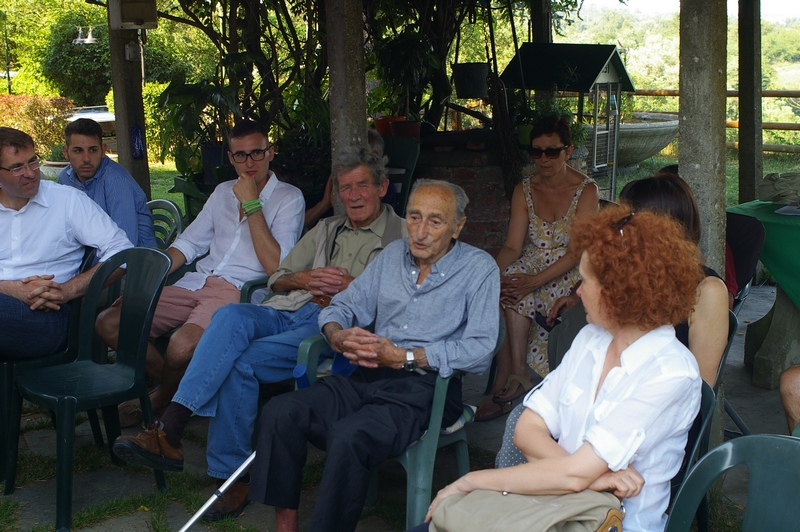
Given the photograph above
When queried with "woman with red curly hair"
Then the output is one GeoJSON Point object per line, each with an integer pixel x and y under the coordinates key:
{"type": "Point", "coordinates": [615, 414]}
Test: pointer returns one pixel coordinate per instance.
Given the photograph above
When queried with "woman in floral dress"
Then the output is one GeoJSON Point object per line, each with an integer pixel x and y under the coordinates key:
{"type": "Point", "coordinates": [535, 259]}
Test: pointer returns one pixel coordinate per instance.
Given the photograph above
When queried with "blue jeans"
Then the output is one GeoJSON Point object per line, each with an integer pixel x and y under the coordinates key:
{"type": "Point", "coordinates": [31, 333]}
{"type": "Point", "coordinates": [243, 346]}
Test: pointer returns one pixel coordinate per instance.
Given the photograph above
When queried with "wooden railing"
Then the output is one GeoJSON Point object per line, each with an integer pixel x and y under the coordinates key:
{"type": "Point", "coordinates": [734, 124]}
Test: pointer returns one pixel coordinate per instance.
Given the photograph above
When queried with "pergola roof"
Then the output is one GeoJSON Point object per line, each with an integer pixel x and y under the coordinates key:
{"type": "Point", "coordinates": [566, 67]}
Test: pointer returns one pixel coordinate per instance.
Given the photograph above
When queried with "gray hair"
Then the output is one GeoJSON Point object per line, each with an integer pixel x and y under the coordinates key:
{"type": "Point", "coordinates": [461, 197]}
{"type": "Point", "coordinates": [351, 157]}
{"type": "Point", "coordinates": [375, 141]}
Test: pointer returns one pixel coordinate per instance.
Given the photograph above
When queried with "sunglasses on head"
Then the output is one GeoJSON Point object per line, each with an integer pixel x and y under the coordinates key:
{"type": "Point", "coordinates": [551, 153]}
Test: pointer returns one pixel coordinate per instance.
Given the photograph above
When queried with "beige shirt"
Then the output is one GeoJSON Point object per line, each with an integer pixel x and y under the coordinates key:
{"type": "Point", "coordinates": [335, 242]}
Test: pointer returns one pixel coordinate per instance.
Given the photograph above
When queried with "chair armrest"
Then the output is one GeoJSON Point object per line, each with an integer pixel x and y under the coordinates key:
{"type": "Point", "coordinates": [308, 356]}
{"type": "Point", "coordinates": [249, 288]}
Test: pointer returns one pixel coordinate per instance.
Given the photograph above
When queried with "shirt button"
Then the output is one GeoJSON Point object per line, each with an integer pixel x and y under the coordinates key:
{"type": "Point", "coordinates": [441, 275]}
{"type": "Point", "coordinates": [405, 327]}
{"type": "Point", "coordinates": [413, 272]}
{"type": "Point", "coordinates": [349, 254]}
{"type": "Point", "coordinates": [355, 232]}
{"type": "Point", "coordinates": [415, 300]}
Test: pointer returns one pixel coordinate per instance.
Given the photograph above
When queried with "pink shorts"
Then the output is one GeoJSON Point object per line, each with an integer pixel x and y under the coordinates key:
{"type": "Point", "coordinates": [179, 306]}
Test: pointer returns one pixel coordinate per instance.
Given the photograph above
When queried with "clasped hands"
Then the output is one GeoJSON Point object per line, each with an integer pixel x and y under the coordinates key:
{"type": "Point", "coordinates": [363, 348]}
{"type": "Point", "coordinates": [41, 292]}
{"type": "Point", "coordinates": [515, 286]}
{"type": "Point", "coordinates": [327, 281]}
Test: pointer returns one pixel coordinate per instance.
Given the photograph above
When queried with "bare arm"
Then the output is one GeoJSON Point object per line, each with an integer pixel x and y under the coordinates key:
{"type": "Point", "coordinates": [708, 327]}
{"type": "Point", "coordinates": [266, 247]}
{"type": "Point", "coordinates": [533, 438]}
{"type": "Point", "coordinates": [517, 231]}
{"type": "Point", "coordinates": [178, 259]}
{"type": "Point", "coordinates": [313, 214]}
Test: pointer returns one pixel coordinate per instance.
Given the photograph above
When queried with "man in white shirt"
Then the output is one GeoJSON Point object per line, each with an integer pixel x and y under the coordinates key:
{"type": "Point", "coordinates": [44, 230]}
{"type": "Point", "coordinates": [247, 227]}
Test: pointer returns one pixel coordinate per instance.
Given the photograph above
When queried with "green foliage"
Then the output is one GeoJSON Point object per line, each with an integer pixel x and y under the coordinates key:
{"type": "Point", "coordinates": [195, 114]}
{"type": "Point", "coordinates": [154, 117]}
{"type": "Point", "coordinates": [44, 119]}
{"type": "Point", "coordinates": [79, 72]}
{"type": "Point", "coordinates": [411, 75]}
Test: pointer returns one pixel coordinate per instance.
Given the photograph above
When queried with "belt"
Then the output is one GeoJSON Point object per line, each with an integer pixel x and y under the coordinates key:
{"type": "Point", "coordinates": [322, 301]}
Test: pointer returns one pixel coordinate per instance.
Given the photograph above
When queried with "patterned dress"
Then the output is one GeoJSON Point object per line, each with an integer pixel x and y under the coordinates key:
{"type": "Point", "coordinates": [547, 242]}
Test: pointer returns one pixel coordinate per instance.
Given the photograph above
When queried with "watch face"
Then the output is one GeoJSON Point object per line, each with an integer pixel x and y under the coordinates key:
{"type": "Point", "coordinates": [410, 366]}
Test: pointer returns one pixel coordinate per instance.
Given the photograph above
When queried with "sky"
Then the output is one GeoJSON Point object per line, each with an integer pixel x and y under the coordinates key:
{"type": "Point", "coordinates": [771, 10]}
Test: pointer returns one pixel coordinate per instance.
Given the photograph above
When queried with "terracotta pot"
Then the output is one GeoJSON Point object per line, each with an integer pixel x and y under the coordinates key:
{"type": "Point", "coordinates": [383, 124]}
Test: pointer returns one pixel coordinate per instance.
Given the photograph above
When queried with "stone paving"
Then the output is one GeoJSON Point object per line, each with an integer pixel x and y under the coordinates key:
{"type": "Point", "coordinates": [761, 409]}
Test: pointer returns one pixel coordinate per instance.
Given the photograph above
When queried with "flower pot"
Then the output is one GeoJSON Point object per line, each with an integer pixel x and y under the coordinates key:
{"type": "Point", "coordinates": [406, 129]}
{"type": "Point", "coordinates": [470, 79]}
{"type": "Point", "coordinates": [383, 124]}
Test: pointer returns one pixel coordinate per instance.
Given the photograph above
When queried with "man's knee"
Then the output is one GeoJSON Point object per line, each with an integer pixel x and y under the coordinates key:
{"type": "Point", "coordinates": [182, 345]}
{"type": "Point", "coordinates": [107, 324]}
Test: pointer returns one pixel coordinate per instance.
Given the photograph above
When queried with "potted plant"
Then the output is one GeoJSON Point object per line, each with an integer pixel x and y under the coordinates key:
{"type": "Point", "coordinates": [198, 118]}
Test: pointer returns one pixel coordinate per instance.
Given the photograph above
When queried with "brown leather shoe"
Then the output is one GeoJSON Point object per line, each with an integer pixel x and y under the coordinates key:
{"type": "Point", "coordinates": [149, 448]}
{"type": "Point", "coordinates": [130, 413]}
{"type": "Point", "coordinates": [230, 504]}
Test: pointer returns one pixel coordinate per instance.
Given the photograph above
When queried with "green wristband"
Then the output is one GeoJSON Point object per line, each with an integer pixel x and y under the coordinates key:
{"type": "Point", "coordinates": [251, 203]}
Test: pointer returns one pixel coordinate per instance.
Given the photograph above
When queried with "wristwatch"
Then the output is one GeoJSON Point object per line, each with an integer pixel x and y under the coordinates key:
{"type": "Point", "coordinates": [410, 364]}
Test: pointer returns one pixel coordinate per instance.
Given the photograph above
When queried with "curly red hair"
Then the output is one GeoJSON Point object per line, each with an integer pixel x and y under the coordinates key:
{"type": "Point", "coordinates": [647, 269]}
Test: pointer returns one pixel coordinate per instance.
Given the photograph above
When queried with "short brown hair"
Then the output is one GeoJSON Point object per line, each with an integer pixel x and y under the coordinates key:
{"type": "Point", "coordinates": [553, 124]}
{"type": "Point", "coordinates": [14, 138]}
{"type": "Point", "coordinates": [648, 271]}
{"type": "Point", "coordinates": [668, 194]}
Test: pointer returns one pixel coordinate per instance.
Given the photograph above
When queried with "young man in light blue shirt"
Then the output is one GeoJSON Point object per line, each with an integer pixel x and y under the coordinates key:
{"type": "Point", "coordinates": [106, 182]}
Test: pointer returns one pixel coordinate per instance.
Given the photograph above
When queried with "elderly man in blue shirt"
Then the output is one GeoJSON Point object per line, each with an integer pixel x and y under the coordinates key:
{"type": "Point", "coordinates": [433, 301]}
{"type": "Point", "coordinates": [106, 182]}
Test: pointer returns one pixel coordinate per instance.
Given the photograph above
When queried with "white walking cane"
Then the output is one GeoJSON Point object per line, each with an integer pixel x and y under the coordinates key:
{"type": "Point", "coordinates": [217, 494]}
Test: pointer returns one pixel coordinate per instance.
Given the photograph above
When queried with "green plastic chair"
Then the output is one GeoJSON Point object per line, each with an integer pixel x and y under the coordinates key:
{"type": "Point", "coordinates": [9, 369]}
{"type": "Point", "coordinates": [403, 153]}
{"type": "Point", "coordinates": [419, 458]}
{"type": "Point", "coordinates": [85, 384]}
{"type": "Point", "coordinates": [167, 221]}
{"type": "Point", "coordinates": [773, 481]}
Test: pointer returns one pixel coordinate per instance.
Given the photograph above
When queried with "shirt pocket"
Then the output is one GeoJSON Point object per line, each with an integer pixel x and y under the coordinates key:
{"type": "Point", "coordinates": [570, 395]}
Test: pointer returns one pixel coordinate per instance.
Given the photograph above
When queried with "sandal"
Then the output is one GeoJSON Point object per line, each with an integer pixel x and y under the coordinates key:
{"type": "Point", "coordinates": [490, 409]}
{"type": "Point", "coordinates": [524, 386]}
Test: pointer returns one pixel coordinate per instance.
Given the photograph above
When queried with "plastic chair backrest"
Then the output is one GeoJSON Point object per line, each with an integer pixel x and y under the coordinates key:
{"type": "Point", "coordinates": [145, 277]}
{"type": "Point", "coordinates": [773, 481]}
{"type": "Point", "coordinates": [697, 443]}
{"type": "Point", "coordinates": [167, 221]}
{"type": "Point", "coordinates": [403, 153]}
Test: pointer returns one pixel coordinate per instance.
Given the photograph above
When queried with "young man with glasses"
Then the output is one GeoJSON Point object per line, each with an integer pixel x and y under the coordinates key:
{"type": "Point", "coordinates": [108, 183]}
{"type": "Point", "coordinates": [44, 230]}
{"type": "Point", "coordinates": [246, 228]}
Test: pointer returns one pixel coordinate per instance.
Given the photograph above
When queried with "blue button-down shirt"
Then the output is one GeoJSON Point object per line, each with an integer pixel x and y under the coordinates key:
{"type": "Point", "coordinates": [453, 314]}
{"type": "Point", "coordinates": [120, 196]}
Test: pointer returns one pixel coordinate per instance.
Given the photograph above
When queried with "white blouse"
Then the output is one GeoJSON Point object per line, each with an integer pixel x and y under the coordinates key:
{"type": "Point", "coordinates": [641, 415]}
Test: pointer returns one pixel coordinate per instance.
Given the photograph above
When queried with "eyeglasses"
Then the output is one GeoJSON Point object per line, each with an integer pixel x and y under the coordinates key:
{"type": "Point", "coordinates": [256, 155]}
{"type": "Point", "coordinates": [19, 171]}
{"type": "Point", "coordinates": [551, 153]}
{"type": "Point", "coordinates": [619, 224]}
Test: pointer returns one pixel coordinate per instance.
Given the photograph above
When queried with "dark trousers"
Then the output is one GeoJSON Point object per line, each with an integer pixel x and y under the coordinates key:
{"type": "Point", "coordinates": [30, 333]}
{"type": "Point", "coordinates": [360, 421]}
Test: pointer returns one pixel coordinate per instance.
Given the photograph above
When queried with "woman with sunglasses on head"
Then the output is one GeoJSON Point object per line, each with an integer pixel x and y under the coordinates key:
{"type": "Point", "coordinates": [537, 265]}
{"type": "Point", "coordinates": [615, 414]}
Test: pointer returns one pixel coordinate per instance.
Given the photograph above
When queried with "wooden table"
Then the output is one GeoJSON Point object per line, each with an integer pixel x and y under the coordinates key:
{"type": "Point", "coordinates": [773, 342]}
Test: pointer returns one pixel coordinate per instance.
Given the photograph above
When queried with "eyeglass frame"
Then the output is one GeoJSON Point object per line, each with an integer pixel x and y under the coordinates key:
{"type": "Point", "coordinates": [620, 224]}
{"type": "Point", "coordinates": [19, 171]}
{"type": "Point", "coordinates": [546, 152]}
{"type": "Point", "coordinates": [251, 155]}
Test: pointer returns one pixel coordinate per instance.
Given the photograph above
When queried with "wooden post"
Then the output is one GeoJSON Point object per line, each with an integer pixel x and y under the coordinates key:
{"type": "Point", "coordinates": [126, 79]}
{"type": "Point", "coordinates": [751, 160]}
